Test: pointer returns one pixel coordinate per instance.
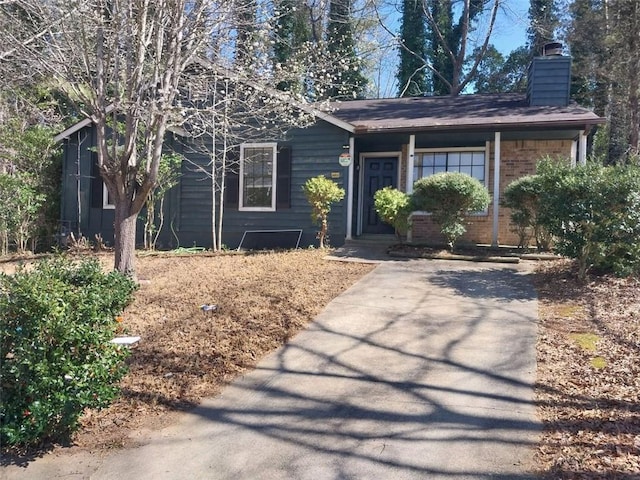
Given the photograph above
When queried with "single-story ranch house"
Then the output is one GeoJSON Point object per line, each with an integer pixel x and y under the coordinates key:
{"type": "Point", "coordinates": [363, 145]}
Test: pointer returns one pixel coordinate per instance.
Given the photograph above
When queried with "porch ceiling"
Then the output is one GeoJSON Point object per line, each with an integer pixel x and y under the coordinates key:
{"type": "Point", "coordinates": [392, 142]}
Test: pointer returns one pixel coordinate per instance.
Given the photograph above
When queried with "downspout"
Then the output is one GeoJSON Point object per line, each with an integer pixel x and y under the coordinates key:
{"type": "Point", "coordinates": [350, 189]}
{"type": "Point", "coordinates": [496, 188]}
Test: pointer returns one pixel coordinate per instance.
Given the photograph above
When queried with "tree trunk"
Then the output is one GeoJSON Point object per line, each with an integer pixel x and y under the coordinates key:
{"type": "Point", "coordinates": [125, 239]}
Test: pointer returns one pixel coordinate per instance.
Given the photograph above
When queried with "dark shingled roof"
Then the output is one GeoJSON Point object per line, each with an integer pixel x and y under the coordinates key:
{"type": "Point", "coordinates": [464, 112]}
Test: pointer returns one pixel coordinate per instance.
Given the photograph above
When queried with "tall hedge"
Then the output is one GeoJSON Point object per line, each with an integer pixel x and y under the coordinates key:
{"type": "Point", "coordinates": [522, 196]}
{"type": "Point", "coordinates": [594, 214]}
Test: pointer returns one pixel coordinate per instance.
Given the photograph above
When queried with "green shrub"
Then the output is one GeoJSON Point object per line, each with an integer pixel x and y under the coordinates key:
{"type": "Point", "coordinates": [522, 196]}
{"type": "Point", "coordinates": [394, 208]}
{"type": "Point", "coordinates": [56, 323]}
{"type": "Point", "coordinates": [321, 193]}
{"type": "Point", "coordinates": [594, 214]}
{"type": "Point", "coordinates": [450, 197]}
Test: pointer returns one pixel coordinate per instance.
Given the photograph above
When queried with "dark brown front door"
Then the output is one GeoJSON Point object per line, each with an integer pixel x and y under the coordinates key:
{"type": "Point", "coordinates": [379, 172]}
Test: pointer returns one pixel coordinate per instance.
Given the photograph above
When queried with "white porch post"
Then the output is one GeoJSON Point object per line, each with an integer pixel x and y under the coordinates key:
{"type": "Point", "coordinates": [582, 151]}
{"type": "Point", "coordinates": [574, 152]}
{"type": "Point", "coordinates": [410, 154]}
{"type": "Point", "coordinates": [350, 190]}
{"type": "Point", "coordinates": [496, 187]}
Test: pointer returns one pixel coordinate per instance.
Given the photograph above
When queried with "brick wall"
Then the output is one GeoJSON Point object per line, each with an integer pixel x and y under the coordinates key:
{"type": "Point", "coordinates": [518, 158]}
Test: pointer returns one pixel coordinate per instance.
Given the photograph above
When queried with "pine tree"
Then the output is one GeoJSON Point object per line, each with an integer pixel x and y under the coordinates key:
{"type": "Point", "coordinates": [442, 38]}
{"type": "Point", "coordinates": [449, 37]}
{"type": "Point", "coordinates": [412, 74]}
{"type": "Point", "coordinates": [543, 23]}
{"type": "Point", "coordinates": [605, 47]}
{"type": "Point", "coordinates": [292, 31]}
{"type": "Point", "coordinates": [349, 81]}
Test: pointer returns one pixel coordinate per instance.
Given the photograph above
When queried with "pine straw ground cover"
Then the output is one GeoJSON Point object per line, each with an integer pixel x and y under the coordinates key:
{"type": "Point", "coordinates": [184, 355]}
{"type": "Point", "coordinates": [588, 376]}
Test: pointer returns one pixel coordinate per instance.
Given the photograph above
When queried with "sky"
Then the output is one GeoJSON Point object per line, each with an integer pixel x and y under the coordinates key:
{"type": "Point", "coordinates": [509, 33]}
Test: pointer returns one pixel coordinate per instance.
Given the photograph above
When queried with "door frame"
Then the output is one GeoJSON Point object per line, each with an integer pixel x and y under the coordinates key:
{"type": "Point", "coordinates": [361, 159]}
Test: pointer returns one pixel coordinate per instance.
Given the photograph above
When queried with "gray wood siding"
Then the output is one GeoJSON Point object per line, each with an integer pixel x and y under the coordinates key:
{"type": "Point", "coordinates": [549, 81]}
{"type": "Point", "coordinates": [77, 172]}
{"type": "Point", "coordinates": [315, 151]}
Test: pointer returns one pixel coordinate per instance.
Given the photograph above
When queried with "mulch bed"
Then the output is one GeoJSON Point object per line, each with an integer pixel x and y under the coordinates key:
{"type": "Point", "coordinates": [588, 386]}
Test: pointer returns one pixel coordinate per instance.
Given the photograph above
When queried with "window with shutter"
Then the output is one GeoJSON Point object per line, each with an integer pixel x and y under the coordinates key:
{"type": "Point", "coordinates": [258, 175]}
{"type": "Point", "coordinates": [100, 197]}
{"type": "Point", "coordinates": [261, 184]}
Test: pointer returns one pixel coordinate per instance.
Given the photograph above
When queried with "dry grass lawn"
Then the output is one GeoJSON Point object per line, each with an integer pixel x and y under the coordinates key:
{"type": "Point", "coordinates": [588, 388]}
{"type": "Point", "coordinates": [263, 299]}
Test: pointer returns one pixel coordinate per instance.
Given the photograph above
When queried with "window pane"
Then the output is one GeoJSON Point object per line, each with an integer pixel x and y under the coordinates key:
{"type": "Point", "coordinates": [465, 169]}
{"type": "Point", "coordinates": [478, 172]}
{"type": "Point", "coordinates": [440, 160]}
{"type": "Point", "coordinates": [258, 177]}
{"type": "Point", "coordinates": [427, 159]}
{"type": "Point", "coordinates": [453, 162]}
{"type": "Point", "coordinates": [478, 158]}
{"type": "Point", "coordinates": [466, 158]}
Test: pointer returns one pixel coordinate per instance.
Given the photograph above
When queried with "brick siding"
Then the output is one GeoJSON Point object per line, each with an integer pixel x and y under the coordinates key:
{"type": "Point", "coordinates": [518, 158]}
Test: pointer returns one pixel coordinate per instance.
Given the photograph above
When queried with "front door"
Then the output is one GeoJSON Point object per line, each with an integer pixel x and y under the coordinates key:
{"type": "Point", "coordinates": [379, 172]}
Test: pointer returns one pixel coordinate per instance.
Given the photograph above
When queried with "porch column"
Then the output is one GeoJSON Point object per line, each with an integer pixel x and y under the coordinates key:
{"type": "Point", "coordinates": [350, 190]}
{"type": "Point", "coordinates": [574, 152]}
{"type": "Point", "coordinates": [496, 187]}
{"type": "Point", "coordinates": [410, 155]}
{"type": "Point", "coordinates": [582, 150]}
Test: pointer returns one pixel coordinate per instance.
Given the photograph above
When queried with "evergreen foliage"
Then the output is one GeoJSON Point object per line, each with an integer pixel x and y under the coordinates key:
{"type": "Point", "coordinates": [321, 193]}
{"type": "Point", "coordinates": [499, 75]}
{"type": "Point", "coordinates": [450, 197]}
{"type": "Point", "coordinates": [412, 73]}
{"type": "Point", "coordinates": [393, 207]}
{"type": "Point", "coordinates": [603, 37]}
{"type": "Point", "coordinates": [543, 23]}
{"type": "Point", "coordinates": [593, 212]}
{"type": "Point", "coordinates": [56, 323]}
{"type": "Point", "coordinates": [522, 196]}
{"type": "Point", "coordinates": [348, 80]}
{"type": "Point", "coordinates": [292, 32]}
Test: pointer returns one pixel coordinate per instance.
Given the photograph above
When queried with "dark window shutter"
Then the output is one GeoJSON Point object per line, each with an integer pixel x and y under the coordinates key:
{"type": "Point", "coordinates": [232, 183]}
{"type": "Point", "coordinates": [96, 182]}
{"type": "Point", "coordinates": [283, 180]}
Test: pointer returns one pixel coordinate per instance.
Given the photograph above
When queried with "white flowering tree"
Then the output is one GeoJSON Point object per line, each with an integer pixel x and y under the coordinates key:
{"type": "Point", "coordinates": [121, 62]}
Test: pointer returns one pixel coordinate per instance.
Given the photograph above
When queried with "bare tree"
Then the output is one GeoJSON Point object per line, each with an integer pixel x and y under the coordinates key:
{"type": "Point", "coordinates": [121, 61]}
{"type": "Point", "coordinates": [217, 124]}
{"type": "Point", "coordinates": [455, 49]}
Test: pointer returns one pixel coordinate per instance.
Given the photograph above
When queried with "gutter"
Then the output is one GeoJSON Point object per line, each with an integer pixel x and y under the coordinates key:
{"type": "Point", "coordinates": [577, 124]}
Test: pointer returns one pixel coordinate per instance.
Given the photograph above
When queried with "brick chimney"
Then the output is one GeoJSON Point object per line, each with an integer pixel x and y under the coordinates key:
{"type": "Point", "coordinates": [549, 78]}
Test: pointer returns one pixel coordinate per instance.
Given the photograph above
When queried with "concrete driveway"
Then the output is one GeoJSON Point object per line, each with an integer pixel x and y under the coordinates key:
{"type": "Point", "coordinates": [422, 370]}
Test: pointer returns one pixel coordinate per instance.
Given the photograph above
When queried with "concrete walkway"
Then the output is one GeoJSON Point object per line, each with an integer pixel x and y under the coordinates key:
{"type": "Point", "coordinates": [422, 370]}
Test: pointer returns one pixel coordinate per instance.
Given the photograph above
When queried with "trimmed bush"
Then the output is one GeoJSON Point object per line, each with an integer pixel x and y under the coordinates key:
{"type": "Point", "coordinates": [522, 196]}
{"type": "Point", "coordinates": [394, 208]}
{"type": "Point", "coordinates": [450, 197]}
{"type": "Point", "coordinates": [593, 213]}
{"type": "Point", "coordinates": [57, 321]}
{"type": "Point", "coordinates": [321, 193]}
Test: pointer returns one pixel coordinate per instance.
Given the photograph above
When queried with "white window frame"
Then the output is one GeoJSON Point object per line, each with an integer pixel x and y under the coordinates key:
{"type": "Point", "coordinates": [274, 177]}
{"type": "Point", "coordinates": [105, 199]}
{"type": "Point", "coordinates": [485, 149]}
